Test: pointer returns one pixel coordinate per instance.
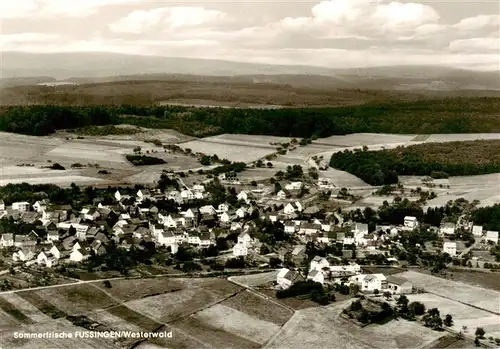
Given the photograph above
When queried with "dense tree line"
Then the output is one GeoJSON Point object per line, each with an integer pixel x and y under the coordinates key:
{"type": "Point", "coordinates": [452, 115]}
{"type": "Point", "coordinates": [432, 159]}
{"type": "Point", "coordinates": [488, 217]}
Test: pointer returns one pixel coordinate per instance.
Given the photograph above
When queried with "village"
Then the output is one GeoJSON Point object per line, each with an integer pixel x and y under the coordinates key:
{"type": "Point", "coordinates": [301, 237]}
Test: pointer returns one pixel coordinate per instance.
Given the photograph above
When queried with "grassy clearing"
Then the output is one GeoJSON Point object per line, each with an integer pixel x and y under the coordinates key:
{"type": "Point", "coordinates": [170, 306]}
{"type": "Point", "coordinates": [179, 340]}
{"type": "Point", "coordinates": [134, 318]}
{"type": "Point", "coordinates": [256, 279]}
{"type": "Point", "coordinates": [12, 310]}
{"type": "Point", "coordinates": [43, 305]}
{"type": "Point", "coordinates": [213, 336]}
{"type": "Point", "coordinates": [458, 291]}
{"type": "Point", "coordinates": [324, 328]}
{"type": "Point", "coordinates": [476, 278]}
{"type": "Point", "coordinates": [238, 323]}
{"type": "Point", "coordinates": [76, 299]}
{"type": "Point", "coordinates": [291, 302]}
{"type": "Point", "coordinates": [139, 288]}
{"type": "Point", "coordinates": [259, 308]}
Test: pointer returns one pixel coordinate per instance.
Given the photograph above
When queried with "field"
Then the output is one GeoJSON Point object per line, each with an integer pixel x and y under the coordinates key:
{"type": "Point", "coordinates": [457, 291]}
{"type": "Point", "coordinates": [476, 278]}
{"type": "Point", "coordinates": [463, 315]}
{"type": "Point", "coordinates": [238, 148]}
{"type": "Point", "coordinates": [322, 328]}
{"type": "Point", "coordinates": [201, 313]}
{"type": "Point", "coordinates": [255, 279]}
{"type": "Point", "coordinates": [102, 152]}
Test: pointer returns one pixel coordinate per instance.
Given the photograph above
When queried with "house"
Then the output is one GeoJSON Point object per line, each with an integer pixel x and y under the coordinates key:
{"type": "Point", "coordinates": [353, 268]}
{"type": "Point", "coordinates": [192, 213]}
{"type": "Point", "coordinates": [492, 236]}
{"type": "Point", "coordinates": [477, 230]}
{"type": "Point", "coordinates": [243, 196]}
{"type": "Point", "coordinates": [224, 218]}
{"type": "Point", "coordinates": [206, 239]}
{"type": "Point", "coordinates": [291, 208]}
{"type": "Point", "coordinates": [359, 229]}
{"type": "Point", "coordinates": [281, 195]}
{"type": "Point", "coordinates": [118, 196]}
{"type": "Point", "coordinates": [52, 235]}
{"type": "Point", "coordinates": [316, 276]}
{"type": "Point", "coordinates": [327, 237]}
{"type": "Point", "coordinates": [370, 282]}
{"type": "Point", "coordinates": [23, 241]}
{"type": "Point", "coordinates": [166, 238]}
{"type": "Point", "coordinates": [21, 206]}
{"type": "Point", "coordinates": [241, 212]}
{"type": "Point", "coordinates": [245, 238]}
{"type": "Point", "coordinates": [7, 240]}
{"type": "Point", "coordinates": [187, 195]}
{"type": "Point", "coordinates": [222, 208]}
{"type": "Point", "coordinates": [271, 216]}
{"type": "Point", "coordinates": [143, 194]}
{"type": "Point", "coordinates": [78, 255]}
{"type": "Point", "coordinates": [55, 251]}
{"type": "Point", "coordinates": [23, 255]}
{"type": "Point", "coordinates": [287, 277]}
{"type": "Point", "coordinates": [193, 239]}
{"type": "Point", "coordinates": [240, 250]}
{"type": "Point", "coordinates": [447, 229]}
{"type": "Point", "coordinates": [309, 228]}
{"type": "Point", "coordinates": [450, 247]}
{"type": "Point", "coordinates": [410, 222]}
{"type": "Point", "coordinates": [397, 285]}
{"type": "Point", "coordinates": [290, 227]}
{"type": "Point", "coordinates": [293, 186]}
{"type": "Point", "coordinates": [46, 259]}
{"type": "Point", "coordinates": [208, 209]}
{"type": "Point", "coordinates": [199, 188]}
{"type": "Point", "coordinates": [235, 226]}
{"type": "Point", "coordinates": [2, 205]}
{"type": "Point", "coordinates": [319, 263]}
{"type": "Point", "coordinates": [98, 247]}
{"type": "Point", "coordinates": [40, 205]}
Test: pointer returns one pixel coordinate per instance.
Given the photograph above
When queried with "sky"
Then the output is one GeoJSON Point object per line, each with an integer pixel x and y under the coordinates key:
{"type": "Point", "coordinates": [332, 33]}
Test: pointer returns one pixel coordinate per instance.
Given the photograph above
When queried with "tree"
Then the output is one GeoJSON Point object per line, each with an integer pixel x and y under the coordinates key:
{"type": "Point", "coordinates": [354, 289]}
{"type": "Point", "coordinates": [107, 284]}
{"type": "Point", "coordinates": [480, 332]}
{"type": "Point", "coordinates": [356, 305]}
{"type": "Point", "coordinates": [432, 319]}
{"type": "Point", "coordinates": [448, 320]}
{"type": "Point", "coordinates": [205, 160]}
{"type": "Point", "coordinates": [376, 292]}
{"type": "Point", "coordinates": [402, 301]}
{"type": "Point", "coordinates": [387, 295]}
{"type": "Point", "coordinates": [137, 150]}
{"type": "Point", "coordinates": [417, 308]}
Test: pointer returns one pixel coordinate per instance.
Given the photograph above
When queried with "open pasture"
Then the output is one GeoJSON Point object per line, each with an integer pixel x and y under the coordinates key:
{"type": "Point", "coordinates": [75, 299]}
{"type": "Point", "coordinates": [463, 315]}
{"type": "Point", "coordinates": [322, 327]}
{"type": "Point", "coordinates": [258, 307]}
{"type": "Point", "coordinates": [24, 307]}
{"type": "Point", "coordinates": [457, 291]}
{"type": "Point", "coordinates": [253, 280]}
{"type": "Point", "coordinates": [240, 148]}
{"type": "Point", "coordinates": [169, 306]}
{"type": "Point", "coordinates": [237, 323]}
{"type": "Point", "coordinates": [360, 139]}
{"type": "Point", "coordinates": [453, 137]}
{"type": "Point", "coordinates": [179, 340]}
{"type": "Point", "coordinates": [139, 288]}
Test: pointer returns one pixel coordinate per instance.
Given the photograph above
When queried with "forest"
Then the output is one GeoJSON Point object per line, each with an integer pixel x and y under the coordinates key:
{"type": "Point", "coordinates": [430, 159]}
{"type": "Point", "coordinates": [451, 115]}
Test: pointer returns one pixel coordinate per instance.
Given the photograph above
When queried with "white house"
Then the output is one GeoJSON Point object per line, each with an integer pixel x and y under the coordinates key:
{"type": "Point", "coordinates": [52, 236]}
{"type": "Point", "coordinates": [199, 188]}
{"type": "Point", "coordinates": [290, 227]}
{"type": "Point", "coordinates": [222, 208]}
{"type": "Point", "coordinates": [21, 206]}
{"type": "Point", "coordinates": [244, 238]}
{"type": "Point", "coordinates": [410, 222]}
{"type": "Point", "coordinates": [40, 205]}
{"type": "Point", "coordinates": [118, 196]}
{"type": "Point", "coordinates": [319, 263]}
{"type": "Point", "coordinates": [450, 247]}
{"type": "Point", "coordinates": [2, 205]}
{"type": "Point", "coordinates": [240, 250]}
{"type": "Point", "coordinates": [286, 278]}
{"type": "Point", "coordinates": [46, 259]}
{"type": "Point", "coordinates": [242, 195]}
{"type": "Point", "coordinates": [208, 209]}
{"type": "Point", "coordinates": [477, 230]}
{"type": "Point", "coordinates": [293, 186]}
{"type": "Point", "coordinates": [359, 229]}
{"type": "Point", "coordinates": [23, 255]}
{"type": "Point", "coordinates": [370, 282]}
{"type": "Point", "coordinates": [166, 238]}
{"type": "Point", "coordinates": [447, 228]}
{"type": "Point", "coordinates": [194, 239]}
{"type": "Point", "coordinates": [492, 236]}
{"type": "Point", "coordinates": [281, 195]}
{"type": "Point", "coordinates": [291, 208]}
{"type": "Point", "coordinates": [55, 252]}
{"type": "Point", "coordinates": [187, 195]}
{"type": "Point", "coordinates": [224, 218]}
{"type": "Point", "coordinates": [235, 226]}
{"type": "Point", "coordinates": [316, 276]}
{"type": "Point", "coordinates": [241, 212]}
{"type": "Point", "coordinates": [350, 268]}
{"type": "Point", "coordinates": [7, 240]}
{"type": "Point", "coordinates": [78, 255]}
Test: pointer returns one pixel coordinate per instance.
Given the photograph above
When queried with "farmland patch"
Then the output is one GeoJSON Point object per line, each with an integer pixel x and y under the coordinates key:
{"type": "Point", "coordinates": [139, 288]}
{"type": "Point", "coordinates": [134, 317]}
{"type": "Point", "coordinates": [13, 311]}
{"type": "Point", "coordinates": [257, 307]}
{"type": "Point", "coordinates": [43, 305]}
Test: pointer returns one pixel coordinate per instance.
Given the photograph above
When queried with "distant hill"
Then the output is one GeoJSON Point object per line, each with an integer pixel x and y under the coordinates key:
{"type": "Point", "coordinates": [108, 67]}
